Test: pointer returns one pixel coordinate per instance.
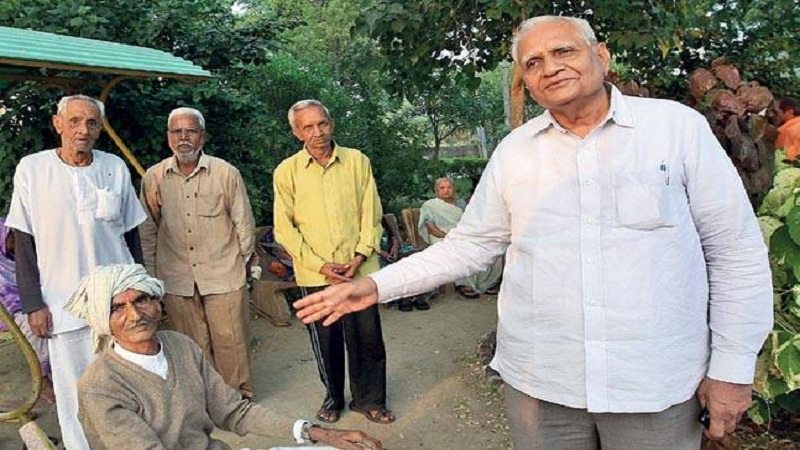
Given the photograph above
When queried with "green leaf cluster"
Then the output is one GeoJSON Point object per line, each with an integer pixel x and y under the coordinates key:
{"type": "Point", "coordinates": [658, 41]}
{"type": "Point", "coordinates": [777, 380]}
{"type": "Point", "coordinates": [265, 55]}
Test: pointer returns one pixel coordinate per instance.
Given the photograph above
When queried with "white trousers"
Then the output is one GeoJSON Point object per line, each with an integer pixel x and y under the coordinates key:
{"type": "Point", "coordinates": [70, 354]}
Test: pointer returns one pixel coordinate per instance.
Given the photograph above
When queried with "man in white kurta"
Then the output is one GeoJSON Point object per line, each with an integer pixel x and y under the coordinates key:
{"type": "Point", "coordinates": [71, 208]}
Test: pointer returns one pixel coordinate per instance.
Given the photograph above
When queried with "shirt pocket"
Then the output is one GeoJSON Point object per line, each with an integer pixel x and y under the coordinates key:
{"type": "Point", "coordinates": [109, 205]}
{"type": "Point", "coordinates": [642, 200]}
{"type": "Point", "coordinates": [210, 205]}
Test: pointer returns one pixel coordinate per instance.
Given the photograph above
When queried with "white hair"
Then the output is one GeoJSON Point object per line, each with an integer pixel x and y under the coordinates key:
{"type": "Point", "coordinates": [581, 24]}
{"type": "Point", "coordinates": [186, 111]}
{"type": "Point", "coordinates": [442, 180]}
{"type": "Point", "coordinates": [62, 104]}
{"type": "Point", "coordinates": [303, 104]}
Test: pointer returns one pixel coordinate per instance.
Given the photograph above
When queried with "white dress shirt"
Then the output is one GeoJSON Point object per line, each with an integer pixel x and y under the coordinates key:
{"type": "Point", "coordinates": [634, 265]}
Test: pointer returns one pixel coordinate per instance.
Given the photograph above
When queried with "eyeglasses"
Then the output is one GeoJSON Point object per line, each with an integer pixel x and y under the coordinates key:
{"type": "Point", "coordinates": [187, 131]}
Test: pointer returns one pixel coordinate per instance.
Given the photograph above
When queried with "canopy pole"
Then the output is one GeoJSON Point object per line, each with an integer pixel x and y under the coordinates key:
{"type": "Point", "coordinates": [21, 412]}
{"type": "Point", "coordinates": [112, 133]}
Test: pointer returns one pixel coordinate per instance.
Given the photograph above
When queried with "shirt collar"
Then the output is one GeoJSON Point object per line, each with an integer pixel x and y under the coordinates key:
{"type": "Point", "coordinates": [202, 163]}
{"type": "Point", "coordinates": [310, 159]}
{"type": "Point", "coordinates": [618, 111]}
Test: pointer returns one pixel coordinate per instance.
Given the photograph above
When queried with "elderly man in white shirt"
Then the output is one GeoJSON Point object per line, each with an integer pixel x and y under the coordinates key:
{"type": "Point", "coordinates": [73, 208]}
{"type": "Point", "coordinates": [637, 287]}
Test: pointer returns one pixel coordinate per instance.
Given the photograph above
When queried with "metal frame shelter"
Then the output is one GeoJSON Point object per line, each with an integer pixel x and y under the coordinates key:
{"type": "Point", "coordinates": [58, 60]}
{"type": "Point", "coordinates": [64, 61]}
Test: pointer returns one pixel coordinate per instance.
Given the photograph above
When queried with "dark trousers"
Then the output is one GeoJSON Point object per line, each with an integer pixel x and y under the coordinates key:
{"type": "Point", "coordinates": [361, 333]}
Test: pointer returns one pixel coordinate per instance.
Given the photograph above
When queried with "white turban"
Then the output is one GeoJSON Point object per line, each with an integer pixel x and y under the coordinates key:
{"type": "Point", "coordinates": [91, 300]}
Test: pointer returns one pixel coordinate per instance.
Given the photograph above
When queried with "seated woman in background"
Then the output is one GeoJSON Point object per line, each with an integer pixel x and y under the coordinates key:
{"type": "Point", "coordinates": [9, 297]}
{"type": "Point", "coordinates": [440, 215]}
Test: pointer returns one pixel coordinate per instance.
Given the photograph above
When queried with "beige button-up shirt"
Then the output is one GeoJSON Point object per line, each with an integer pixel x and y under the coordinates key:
{"type": "Point", "coordinates": [199, 228]}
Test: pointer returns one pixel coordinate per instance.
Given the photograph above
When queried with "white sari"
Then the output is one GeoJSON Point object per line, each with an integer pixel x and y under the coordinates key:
{"type": "Point", "coordinates": [446, 216]}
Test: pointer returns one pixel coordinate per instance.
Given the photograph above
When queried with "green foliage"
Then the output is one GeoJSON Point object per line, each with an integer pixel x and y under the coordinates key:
{"type": "Point", "coordinates": [258, 75]}
{"type": "Point", "coordinates": [660, 42]}
{"type": "Point", "coordinates": [777, 380]}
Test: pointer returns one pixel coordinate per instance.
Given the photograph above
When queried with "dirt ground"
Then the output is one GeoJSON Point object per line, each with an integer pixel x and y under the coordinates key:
{"type": "Point", "coordinates": [434, 381]}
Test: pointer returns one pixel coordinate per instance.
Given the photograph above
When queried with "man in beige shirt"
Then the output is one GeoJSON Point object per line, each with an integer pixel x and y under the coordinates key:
{"type": "Point", "coordinates": [198, 238]}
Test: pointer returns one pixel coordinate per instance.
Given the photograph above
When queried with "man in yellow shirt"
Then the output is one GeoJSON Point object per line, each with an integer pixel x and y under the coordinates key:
{"type": "Point", "coordinates": [328, 217]}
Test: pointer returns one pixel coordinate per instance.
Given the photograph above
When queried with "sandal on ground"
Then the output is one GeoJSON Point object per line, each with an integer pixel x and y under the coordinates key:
{"type": "Point", "coordinates": [328, 415]}
{"type": "Point", "coordinates": [467, 292]}
{"type": "Point", "coordinates": [379, 415]}
{"type": "Point", "coordinates": [493, 290]}
{"type": "Point", "coordinates": [421, 305]}
{"type": "Point", "coordinates": [404, 304]}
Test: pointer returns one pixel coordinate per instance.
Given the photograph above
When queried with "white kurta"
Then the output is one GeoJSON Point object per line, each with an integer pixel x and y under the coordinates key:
{"type": "Point", "coordinates": [77, 217]}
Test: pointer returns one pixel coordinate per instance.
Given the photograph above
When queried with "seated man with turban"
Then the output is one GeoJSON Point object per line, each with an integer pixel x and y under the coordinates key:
{"type": "Point", "coordinates": [154, 389]}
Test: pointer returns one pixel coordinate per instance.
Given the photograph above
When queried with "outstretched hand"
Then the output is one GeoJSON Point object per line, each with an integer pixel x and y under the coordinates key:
{"type": "Point", "coordinates": [345, 439]}
{"type": "Point", "coordinates": [336, 301]}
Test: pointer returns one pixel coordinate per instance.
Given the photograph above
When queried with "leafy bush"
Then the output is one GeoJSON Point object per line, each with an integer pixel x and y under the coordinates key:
{"type": "Point", "coordinates": [777, 382]}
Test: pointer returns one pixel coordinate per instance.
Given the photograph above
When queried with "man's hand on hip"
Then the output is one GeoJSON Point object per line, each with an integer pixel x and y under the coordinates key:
{"type": "Point", "coordinates": [726, 403]}
{"type": "Point", "coordinates": [335, 301]}
{"type": "Point", "coordinates": [335, 272]}
{"type": "Point", "coordinates": [41, 322]}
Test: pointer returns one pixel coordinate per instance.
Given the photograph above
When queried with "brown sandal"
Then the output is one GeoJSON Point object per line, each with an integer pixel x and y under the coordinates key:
{"type": "Point", "coordinates": [328, 415]}
{"type": "Point", "coordinates": [467, 292]}
{"type": "Point", "coordinates": [379, 415]}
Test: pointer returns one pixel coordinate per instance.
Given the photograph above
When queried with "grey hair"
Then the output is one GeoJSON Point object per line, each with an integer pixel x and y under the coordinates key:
{"type": "Point", "coordinates": [186, 111]}
{"type": "Point", "coordinates": [62, 104]}
{"type": "Point", "coordinates": [442, 180]}
{"type": "Point", "coordinates": [581, 24]}
{"type": "Point", "coordinates": [303, 104]}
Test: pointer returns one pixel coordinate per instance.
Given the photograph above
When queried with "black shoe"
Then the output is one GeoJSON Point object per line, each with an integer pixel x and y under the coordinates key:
{"type": "Point", "coordinates": [421, 304]}
{"type": "Point", "coordinates": [405, 305]}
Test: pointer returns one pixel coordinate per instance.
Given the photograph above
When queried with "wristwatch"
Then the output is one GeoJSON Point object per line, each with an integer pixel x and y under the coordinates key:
{"type": "Point", "coordinates": [300, 431]}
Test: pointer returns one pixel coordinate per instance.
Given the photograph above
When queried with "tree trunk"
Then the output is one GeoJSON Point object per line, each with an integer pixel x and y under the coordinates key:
{"type": "Point", "coordinates": [516, 93]}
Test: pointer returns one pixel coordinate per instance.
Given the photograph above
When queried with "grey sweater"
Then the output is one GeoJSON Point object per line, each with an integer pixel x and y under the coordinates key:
{"type": "Point", "coordinates": [125, 406]}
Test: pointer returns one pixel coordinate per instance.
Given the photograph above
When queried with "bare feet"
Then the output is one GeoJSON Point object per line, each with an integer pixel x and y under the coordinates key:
{"type": "Point", "coordinates": [47, 395]}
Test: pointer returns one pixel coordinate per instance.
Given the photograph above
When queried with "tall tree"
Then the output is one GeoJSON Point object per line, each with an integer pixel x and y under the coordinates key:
{"type": "Point", "coordinates": [660, 41]}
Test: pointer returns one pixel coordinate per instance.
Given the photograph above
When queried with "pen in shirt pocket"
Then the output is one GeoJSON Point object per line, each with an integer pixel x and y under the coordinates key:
{"type": "Point", "coordinates": [664, 168]}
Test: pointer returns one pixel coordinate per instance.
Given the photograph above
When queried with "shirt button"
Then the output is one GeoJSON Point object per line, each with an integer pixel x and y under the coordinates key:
{"type": "Point", "coordinates": [194, 265]}
{"type": "Point", "coordinates": [588, 181]}
{"type": "Point", "coordinates": [589, 260]}
{"type": "Point", "coordinates": [187, 196]}
{"type": "Point", "coordinates": [188, 214]}
{"type": "Point", "coordinates": [591, 220]}
{"type": "Point", "coordinates": [191, 248]}
{"type": "Point", "coordinates": [189, 231]}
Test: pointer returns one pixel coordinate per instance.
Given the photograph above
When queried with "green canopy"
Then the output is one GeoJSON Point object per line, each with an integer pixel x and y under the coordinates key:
{"type": "Point", "coordinates": [20, 49]}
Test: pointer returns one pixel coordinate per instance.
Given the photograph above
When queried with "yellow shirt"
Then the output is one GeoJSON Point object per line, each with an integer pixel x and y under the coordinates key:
{"type": "Point", "coordinates": [327, 214]}
{"type": "Point", "coordinates": [199, 228]}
